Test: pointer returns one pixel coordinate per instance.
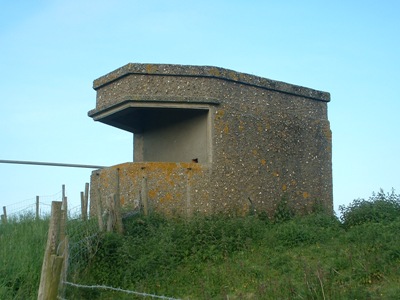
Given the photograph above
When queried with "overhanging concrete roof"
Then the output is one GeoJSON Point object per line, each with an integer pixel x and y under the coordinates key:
{"type": "Point", "coordinates": [210, 72]}
{"type": "Point", "coordinates": [125, 95]}
{"type": "Point", "coordinates": [130, 115]}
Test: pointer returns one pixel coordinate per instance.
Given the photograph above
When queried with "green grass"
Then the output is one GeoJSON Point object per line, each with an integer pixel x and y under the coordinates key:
{"type": "Point", "coordinates": [245, 258]}
{"type": "Point", "coordinates": [310, 257]}
{"type": "Point", "coordinates": [22, 247]}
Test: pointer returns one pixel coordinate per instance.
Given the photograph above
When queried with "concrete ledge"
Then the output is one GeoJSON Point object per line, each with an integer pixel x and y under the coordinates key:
{"type": "Point", "coordinates": [152, 101]}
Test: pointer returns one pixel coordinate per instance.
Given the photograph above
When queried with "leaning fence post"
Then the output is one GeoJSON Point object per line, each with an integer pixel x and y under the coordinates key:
{"type": "Point", "coordinates": [52, 261]}
{"type": "Point", "coordinates": [4, 216]}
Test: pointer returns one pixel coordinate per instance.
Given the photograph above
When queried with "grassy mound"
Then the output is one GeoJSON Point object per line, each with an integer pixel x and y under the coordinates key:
{"type": "Point", "coordinates": [313, 257]}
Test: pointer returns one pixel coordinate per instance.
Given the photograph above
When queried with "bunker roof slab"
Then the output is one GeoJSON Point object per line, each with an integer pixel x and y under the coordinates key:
{"type": "Point", "coordinates": [209, 72]}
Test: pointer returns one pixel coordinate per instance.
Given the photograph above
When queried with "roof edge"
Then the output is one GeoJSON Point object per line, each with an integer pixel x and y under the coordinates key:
{"type": "Point", "coordinates": [210, 72]}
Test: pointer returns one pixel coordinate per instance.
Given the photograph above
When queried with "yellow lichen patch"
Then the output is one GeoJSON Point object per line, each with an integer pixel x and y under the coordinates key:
{"type": "Point", "coordinates": [166, 182]}
{"type": "Point", "coordinates": [241, 125]}
{"type": "Point", "coordinates": [219, 114]}
{"type": "Point", "coordinates": [254, 151]}
{"type": "Point", "coordinates": [163, 171]}
{"type": "Point", "coordinates": [226, 129]}
{"type": "Point", "coordinates": [150, 68]}
{"type": "Point", "coordinates": [166, 198]}
{"type": "Point", "coordinates": [233, 75]}
{"type": "Point", "coordinates": [263, 162]}
{"type": "Point", "coordinates": [275, 173]}
{"type": "Point", "coordinates": [152, 193]}
{"type": "Point", "coordinates": [192, 171]}
{"type": "Point", "coordinates": [284, 187]}
{"type": "Point", "coordinates": [215, 72]}
{"type": "Point", "coordinates": [306, 195]}
{"type": "Point", "coordinates": [104, 179]}
{"type": "Point", "coordinates": [260, 129]}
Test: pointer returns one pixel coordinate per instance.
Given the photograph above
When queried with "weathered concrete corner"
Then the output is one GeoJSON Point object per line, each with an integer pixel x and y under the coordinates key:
{"type": "Point", "coordinates": [212, 140]}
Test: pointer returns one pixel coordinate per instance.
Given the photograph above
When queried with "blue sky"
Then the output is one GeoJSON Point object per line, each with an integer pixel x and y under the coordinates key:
{"type": "Point", "coordinates": [51, 51]}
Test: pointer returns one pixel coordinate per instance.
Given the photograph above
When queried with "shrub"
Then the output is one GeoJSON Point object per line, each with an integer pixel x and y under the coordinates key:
{"type": "Point", "coordinates": [380, 207]}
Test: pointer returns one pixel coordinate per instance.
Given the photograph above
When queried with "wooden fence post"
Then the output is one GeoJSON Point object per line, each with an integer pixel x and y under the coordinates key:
{"type": "Point", "coordinates": [37, 207]}
{"type": "Point", "coordinates": [64, 205]}
{"type": "Point", "coordinates": [86, 199]}
{"type": "Point", "coordinates": [83, 210]}
{"type": "Point", "coordinates": [63, 224]}
{"type": "Point", "coordinates": [64, 269]}
{"type": "Point", "coordinates": [52, 261]}
{"type": "Point", "coordinates": [4, 215]}
{"type": "Point", "coordinates": [62, 192]}
{"type": "Point", "coordinates": [85, 202]}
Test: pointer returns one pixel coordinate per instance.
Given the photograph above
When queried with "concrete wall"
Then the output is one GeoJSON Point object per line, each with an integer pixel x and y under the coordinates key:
{"type": "Point", "coordinates": [257, 140]}
{"type": "Point", "coordinates": [173, 135]}
{"type": "Point", "coordinates": [171, 188]}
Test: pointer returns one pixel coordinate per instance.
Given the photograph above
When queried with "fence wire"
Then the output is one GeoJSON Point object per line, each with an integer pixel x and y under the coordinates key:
{"type": "Point", "coordinates": [104, 287]}
{"type": "Point", "coordinates": [84, 241]}
{"type": "Point", "coordinates": [27, 207]}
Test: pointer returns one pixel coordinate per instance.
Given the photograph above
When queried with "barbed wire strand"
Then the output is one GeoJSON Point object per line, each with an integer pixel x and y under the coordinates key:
{"type": "Point", "coordinates": [12, 209]}
{"type": "Point", "coordinates": [104, 287]}
{"type": "Point", "coordinates": [17, 208]}
{"type": "Point", "coordinates": [22, 201]}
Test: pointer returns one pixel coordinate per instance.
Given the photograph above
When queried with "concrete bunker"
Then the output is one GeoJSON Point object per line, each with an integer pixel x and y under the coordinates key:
{"type": "Point", "coordinates": [212, 140]}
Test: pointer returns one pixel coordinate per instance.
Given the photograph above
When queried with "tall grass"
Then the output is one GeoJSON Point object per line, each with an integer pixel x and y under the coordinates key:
{"type": "Point", "coordinates": [312, 257]}
{"type": "Point", "coordinates": [307, 258]}
{"type": "Point", "coordinates": [22, 244]}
